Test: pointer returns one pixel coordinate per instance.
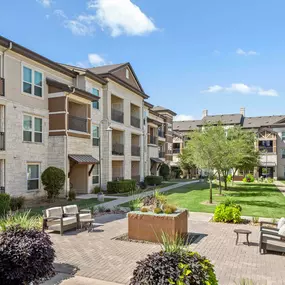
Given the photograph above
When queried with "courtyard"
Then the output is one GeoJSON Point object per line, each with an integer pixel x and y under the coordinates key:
{"type": "Point", "coordinates": [98, 255]}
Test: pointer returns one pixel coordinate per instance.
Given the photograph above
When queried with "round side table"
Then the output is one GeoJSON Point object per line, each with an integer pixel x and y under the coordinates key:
{"type": "Point", "coordinates": [242, 232]}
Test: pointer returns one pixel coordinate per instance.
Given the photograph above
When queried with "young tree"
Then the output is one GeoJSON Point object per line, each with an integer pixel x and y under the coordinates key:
{"type": "Point", "coordinates": [186, 161]}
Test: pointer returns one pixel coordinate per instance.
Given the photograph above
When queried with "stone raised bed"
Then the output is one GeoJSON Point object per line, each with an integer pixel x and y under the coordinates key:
{"type": "Point", "coordinates": [149, 226]}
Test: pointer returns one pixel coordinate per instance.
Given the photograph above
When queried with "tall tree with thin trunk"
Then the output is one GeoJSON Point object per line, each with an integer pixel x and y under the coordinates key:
{"type": "Point", "coordinates": [186, 161]}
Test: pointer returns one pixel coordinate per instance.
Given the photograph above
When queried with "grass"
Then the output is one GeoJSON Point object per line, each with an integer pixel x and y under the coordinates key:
{"type": "Point", "coordinates": [259, 200]}
{"type": "Point", "coordinates": [81, 203]}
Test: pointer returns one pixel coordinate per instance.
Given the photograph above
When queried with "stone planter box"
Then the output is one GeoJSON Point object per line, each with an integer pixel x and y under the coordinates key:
{"type": "Point", "coordinates": [149, 226]}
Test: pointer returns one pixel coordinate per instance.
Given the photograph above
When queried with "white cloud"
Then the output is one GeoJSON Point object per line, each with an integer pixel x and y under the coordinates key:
{"type": "Point", "coordinates": [183, 118]}
{"type": "Point", "coordinates": [93, 60]}
{"type": "Point", "coordinates": [121, 17]}
{"type": "Point", "coordinates": [240, 51]}
{"type": "Point", "coordinates": [45, 3]}
{"type": "Point", "coordinates": [243, 89]}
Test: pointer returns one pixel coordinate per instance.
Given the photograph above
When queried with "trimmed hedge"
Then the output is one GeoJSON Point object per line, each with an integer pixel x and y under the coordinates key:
{"type": "Point", "coordinates": [123, 186]}
{"type": "Point", "coordinates": [153, 180]}
{"type": "Point", "coordinates": [5, 200]}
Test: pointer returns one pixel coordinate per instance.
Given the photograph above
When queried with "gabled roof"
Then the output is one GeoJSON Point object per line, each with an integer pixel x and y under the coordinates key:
{"type": "Point", "coordinates": [161, 109]}
{"type": "Point", "coordinates": [185, 126]}
{"type": "Point", "coordinates": [262, 121]}
{"type": "Point", "coordinates": [231, 119]}
{"type": "Point", "coordinates": [106, 68]}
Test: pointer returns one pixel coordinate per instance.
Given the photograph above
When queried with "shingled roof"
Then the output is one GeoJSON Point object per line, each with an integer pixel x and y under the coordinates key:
{"type": "Point", "coordinates": [262, 121]}
{"type": "Point", "coordinates": [186, 125]}
{"type": "Point", "coordinates": [106, 68]}
{"type": "Point", "coordinates": [231, 119]}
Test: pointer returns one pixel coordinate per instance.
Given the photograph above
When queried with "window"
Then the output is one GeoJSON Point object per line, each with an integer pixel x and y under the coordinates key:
{"type": "Point", "coordinates": [33, 176]}
{"type": "Point", "coordinates": [95, 135]}
{"type": "Point", "coordinates": [32, 82]}
{"type": "Point", "coordinates": [127, 74]}
{"type": "Point", "coordinates": [32, 129]}
{"type": "Point", "coordinates": [283, 136]}
{"type": "Point", "coordinates": [283, 153]}
{"type": "Point", "coordinates": [95, 92]}
{"type": "Point", "coordinates": [95, 174]}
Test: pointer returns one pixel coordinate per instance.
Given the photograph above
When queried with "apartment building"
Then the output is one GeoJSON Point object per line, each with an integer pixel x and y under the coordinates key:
{"type": "Point", "coordinates": [93, 123]}
{"type": "Point", "coordinates": [270, 133]}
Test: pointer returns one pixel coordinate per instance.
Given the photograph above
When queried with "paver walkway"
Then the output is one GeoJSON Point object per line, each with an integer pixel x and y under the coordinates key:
{"type": "Point", "coordinates": [280, 186]}
{"type": "Point", "coordinates": [97, 255]}
{"type": "Point", "coordinates": [122, 200]}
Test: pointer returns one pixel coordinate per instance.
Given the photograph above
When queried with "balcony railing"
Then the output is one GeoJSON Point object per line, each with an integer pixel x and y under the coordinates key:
{"type": "Point", "coordinates": [136, 177]}
{"type": "Point", "coordinates": [118, 149]}
{"type": "Point", "coordinates": [161, 133]}
{"type": "Point", "coordinates": [2, 86]}
{"type": "Point", "coordinates": [268, 149]}
{"type": "Point", "coordinates": [161, 154]}
{"type": "Point", "coordinates": [2, 189]}
{"type": "Point", "coordinates": [176, 150]}
{"type": "Point", "coordinates": [152, 140]}
{"type": "Point", "coordinates": [117, 116]}
{"type": "Point", "coordinates": [135, 122]}
{"type": "Point", "coordinates": [2, 141]}
{"type": "Point", "coordinates": [77, 123]}
{"type": "Point", "coordinates": [136, 150]}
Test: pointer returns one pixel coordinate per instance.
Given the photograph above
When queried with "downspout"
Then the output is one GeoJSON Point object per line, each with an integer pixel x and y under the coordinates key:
{"type": "Point", "coordinates": [66, 141]}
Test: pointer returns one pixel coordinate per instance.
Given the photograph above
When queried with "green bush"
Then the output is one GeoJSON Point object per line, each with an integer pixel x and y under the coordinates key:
{"type": "Point", "coordinates": [164, 171]}
{"type": "Point", "coordinates": [270, 180]}
{"type": "Point", "coordinates": [96, 190]}
{"type": "Point", "coordinates": [53, 179]}
{"type": "Point", "coordinates": [153, 180]}
{"type": "Point", "coordinates": [123, 186]}
{"type": "Point", "coordinates": [229, 178]}
{"type": "Point", "coordinates": [249, 178]}
{"type": "Point", "coordinates": [71, 195]}
{"type": "Point", "coordinates": [16, 203]}
{"type": "Point", "coordinates": [5, 200]}
{"type": "Point", "coordinates": [227, 214]}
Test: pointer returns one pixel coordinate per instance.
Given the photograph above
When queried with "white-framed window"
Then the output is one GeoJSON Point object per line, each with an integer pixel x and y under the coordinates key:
{"type": "Point", "coordinates": [96, 174]}
{"type": "Point", "coordinates": [283, 153]}
{"type": "Point", "coordinates": [32, 82]}
{"type": "Point", "coordinates": [33, 176]}
{"type": "Point", "coordinates": [95, 92]}
{"type": "Point", "coordinates": [283, 136]}
{"type": "Point", "coordinates": [32, 129]}
{"type": "Point", "coordinates": [127, 74]}
{"type": "Point", "coordinates": [95, 135]}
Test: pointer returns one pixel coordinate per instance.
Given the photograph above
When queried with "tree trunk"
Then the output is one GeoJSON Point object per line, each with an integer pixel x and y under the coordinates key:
{"type": "Point", "coordinates": [234, 174]}
{"type": "Point", "coordinates": [211, 192]}
{"type": "Point", "coordinates": [220, 183]}
{"type": "Point", "coordinates": [226, 182]}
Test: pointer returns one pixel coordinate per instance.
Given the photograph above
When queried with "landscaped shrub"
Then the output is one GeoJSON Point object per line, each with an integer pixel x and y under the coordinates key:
{"type": "Point", "coordinates": [160, 197]}
{"type": "Point", "coordinates": [153, 180]}
{"type": "Point", "coordinates": [53, 179]}
{"type": "Point", "coordinates": [157, 210]}
{"type": "Point", "coordinates": [248, 178]}
{"type": "Point", "coordinates": [135, 204]}
{"type": "Point", "coordinates": [144, 209]}
{"type": "Point", "coordinates": [167, 211]}
{"type": "Point", "coordinates": [270, 180]}
{"type": "Point", "coordinates": [227, 214]}
{"type": "Point", "coordinates": [71, 195]}
{"type": "Point", "coordinates": [16, 203]}
{"type": "Point", "coordinates": [174, 268]}
{"type": "Point", "coordinates": [25, 256]}
{"type": "Point", "coordinates": [149, 201]}
{"type": "Point", "coordinates": [96, 190]}
{"type": "Point", "coordinates": [123, 186]}
{"type": "Point", "coordinates": [5, 200]}
{"type": "Point", "coordinates": [164, 171]}
{"type": "Point", "coordinates": [229, 178]}
{"type": "Point", "coordinates": [143, 185]}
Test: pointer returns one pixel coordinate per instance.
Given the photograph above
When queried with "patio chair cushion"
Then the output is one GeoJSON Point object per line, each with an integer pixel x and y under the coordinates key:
{"type": "Point", "coordinates": [70, 209]}
{"type": "Point", "coordinates": [54, 212]}
{"type": "Point", "coordinates": [281, 222]}
{"type": "Point", "coordinates": [282, 231]}
{"type": "Point", "coordinates": [66, 221]}
{"type": "Point", "coordinates": [85, 216]}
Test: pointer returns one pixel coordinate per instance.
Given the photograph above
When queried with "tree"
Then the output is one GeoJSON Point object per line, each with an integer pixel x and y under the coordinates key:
{"type": "Point", "coordinates": [164, 171]}
{"type": "Point", "coordinates": [186, 161]}
{"type": "Point", "coordinates": [53, 179]}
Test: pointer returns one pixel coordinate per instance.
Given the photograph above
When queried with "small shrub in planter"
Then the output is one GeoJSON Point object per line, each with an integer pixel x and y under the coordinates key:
{"type": "Point", "coordinates": [5, 200]}
{"type": "Point", "coordinates": [157, 210]}
{"type": "Point", "coordinates": [227, 214]}
{"type": "Point", "coordinates": [25, 256]}
{"type": "Point", "coordinates": [144, 209]}
{"type": "Point", "coordinates": [53, 179]}
{"type": "Point", "coordinates": [149, 201]}
{"type": "Point", "coordinates": [167, 211]}
{"type": "Point", "coordinates": [16, 203]}
{"type": "Point", "coordinates": [153, 180]}
{"type": "Point", "coordinates": [123, 186]}
{"type": "Point", "coordinates": [164, 171]}
{"type": "Point", "coordinates": [186, 268]}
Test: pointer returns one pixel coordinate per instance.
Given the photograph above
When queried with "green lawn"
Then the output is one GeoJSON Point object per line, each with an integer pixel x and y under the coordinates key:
{"type": "Point", "coordinates": [260, 200]}
{"type": "Point", "coordinates": [81, 203]}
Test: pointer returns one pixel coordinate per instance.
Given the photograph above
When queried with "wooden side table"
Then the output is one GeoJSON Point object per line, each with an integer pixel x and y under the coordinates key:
{"type": "Point", "coordinates": [242, 232]}
{"type": "Point", "coordinates": [87, 224]}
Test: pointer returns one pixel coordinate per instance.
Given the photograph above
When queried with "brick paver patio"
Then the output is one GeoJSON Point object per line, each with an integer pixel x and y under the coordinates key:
{"type": "Point", "coordinates": [98, 256]}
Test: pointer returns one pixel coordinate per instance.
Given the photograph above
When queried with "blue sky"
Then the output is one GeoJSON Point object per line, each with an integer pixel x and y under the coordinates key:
{"type": "Point", "coordinates": [189, 55]}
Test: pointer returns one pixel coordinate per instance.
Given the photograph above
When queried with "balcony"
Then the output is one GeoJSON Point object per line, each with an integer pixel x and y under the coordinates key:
{"type": "Point", "coordinates": [152, 140]}
{"type": "Point", "coordinates": [135, 122]}
{"type": "Point", "coordinates": [176, 150]}
{"type": "Point", "coordinates": [117, 149]}
{"type": "Point", "coordinates": [2, 86]}
{"type": "Point", "coordinates": [161, 133]}
{"type": "Point", "coordinates": [117, 116]}
{"type": "Point", "coordinates": [161, 154]}
{"type": "Point", "coordinates": [266, 149]}
{"type": "Point", "coordinates": [2, 141]}
{"type": "Point", "coordinates": [77, 124]}
{"type": "Point", "coordinates": [136, 150]}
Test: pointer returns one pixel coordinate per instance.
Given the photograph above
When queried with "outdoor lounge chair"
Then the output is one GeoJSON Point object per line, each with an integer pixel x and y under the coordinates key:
{"type": "Point", "coordinates": [55, 220]}
{"type": "Point", "coordinates": [72, 210]}
{"type": "Point", "coordinates": [271, 240]}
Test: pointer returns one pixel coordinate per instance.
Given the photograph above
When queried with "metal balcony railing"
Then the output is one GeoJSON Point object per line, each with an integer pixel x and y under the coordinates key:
{"type": "Point", "coordinates": [136, 150]}
{"type": "Point", "coordinates": [268, 149]}
{"type": "Point", "coordinates": [176, 150]}
{"type": "Point", "coordinates": [161, 154]}
{"type": "Point", "coordinates": [152, 140]}
{"type": "Point", "coordinates": [135, 122]}
{"type": "Point", "coordinates": [118, 149]}
{"type": "Point", "coordinates": [2, 86]}
{"type": "Point", "coordinates": [117, 115]}
{"type": "Point", "coordinates": [77, 123]}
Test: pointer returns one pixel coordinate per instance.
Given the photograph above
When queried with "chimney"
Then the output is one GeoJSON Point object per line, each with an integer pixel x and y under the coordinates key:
{"type": "Point", "coordinates": [204, 114]}
{"type": "Point", "coordinates": [242, 111]}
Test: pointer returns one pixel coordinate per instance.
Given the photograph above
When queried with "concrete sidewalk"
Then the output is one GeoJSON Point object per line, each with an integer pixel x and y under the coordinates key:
{"type": "Point", "coordinates": [78, 280]}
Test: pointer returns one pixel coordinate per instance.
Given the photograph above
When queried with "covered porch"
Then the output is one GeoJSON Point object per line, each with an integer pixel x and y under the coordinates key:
{"type": "Point", "coordinates": [155, 164]}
